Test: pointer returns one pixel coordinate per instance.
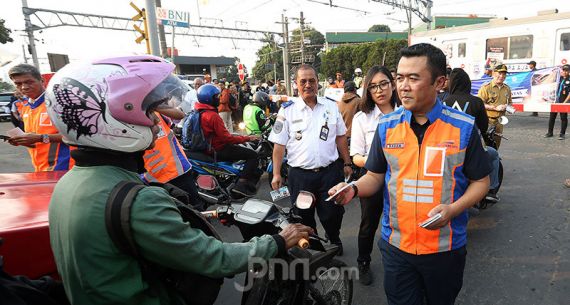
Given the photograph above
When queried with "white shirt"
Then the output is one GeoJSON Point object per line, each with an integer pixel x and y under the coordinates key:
{"type": "Point", "coordinates": [190, 98]}
{"type": "Point", "coordinates": [301, 130]}
{"type": "Point", "coordinates": [364, 126]}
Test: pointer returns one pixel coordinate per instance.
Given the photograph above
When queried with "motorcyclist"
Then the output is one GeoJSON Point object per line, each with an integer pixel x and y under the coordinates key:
{"type": "Point", "coordinates": [254, 114]}
{"type": "Point", "coordinates": [460, 98]}
{"type": "Point", "coordinates": [106, 109]}
{"type": "Point", "coordinates": [224, 144]}
{"type": "Point", "coordinates": [358, 77]}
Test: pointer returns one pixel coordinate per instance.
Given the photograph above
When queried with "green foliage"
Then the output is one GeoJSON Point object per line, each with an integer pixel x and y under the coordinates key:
{"type": "Point", "coordinates": [346, 58]}
{"type": "Point", "coordinates": [231, 73]}
{"type": "Point", "coordinates": [267, 56]}
{"type": "Point", "coordinates": [4, 33]}
{"type": "Point", "coordinates": [379, 28]}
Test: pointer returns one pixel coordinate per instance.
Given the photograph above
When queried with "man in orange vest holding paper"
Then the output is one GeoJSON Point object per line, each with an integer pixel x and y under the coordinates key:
{"type": "Point", "coordinates": [434, 166]}
{"type": "Point", "coordinates": [44, 142]}
{"type": "Point", "coordinates": [166, 162]}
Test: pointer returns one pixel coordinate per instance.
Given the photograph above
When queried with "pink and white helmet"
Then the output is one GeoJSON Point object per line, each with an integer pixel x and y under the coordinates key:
{"type": "Point", "coordinates": [104, 103]}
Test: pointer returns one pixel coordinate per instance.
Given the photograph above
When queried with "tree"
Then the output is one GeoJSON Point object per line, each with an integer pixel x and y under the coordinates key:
{"type": "Point", "coordinates": [230, 73]}
{"type": "Point", "coordinates": [4, 86]}
{"type": "Point", "coordinates": [346, 58]}
{"type": "Point", "coordinates": [4, 33]}
{"type": "Point", "coordinates": [379, 28]}
{"type": "Point", "coordinates": [314, 42]}
{"type": "Point", "coordinates": [269, 62]}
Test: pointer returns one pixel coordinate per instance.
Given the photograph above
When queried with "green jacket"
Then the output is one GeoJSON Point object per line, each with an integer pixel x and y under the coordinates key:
{"type": "Point", "coordinates": [254, 119]}
{"type": "Point", "coordinates": [94, 271]}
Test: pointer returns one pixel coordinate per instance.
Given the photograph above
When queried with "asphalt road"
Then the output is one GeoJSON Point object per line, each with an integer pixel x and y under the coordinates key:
{"type": "Point", "coordinates": [518, 250]}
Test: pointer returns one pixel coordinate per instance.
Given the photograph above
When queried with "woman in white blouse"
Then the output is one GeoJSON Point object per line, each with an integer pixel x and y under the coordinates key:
{"type": "Point", "coordinates": [379, 97]}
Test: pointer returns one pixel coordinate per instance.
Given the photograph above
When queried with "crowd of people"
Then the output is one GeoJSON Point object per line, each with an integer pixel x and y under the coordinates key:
{"type": "Point", "coordinates": [413, 136]}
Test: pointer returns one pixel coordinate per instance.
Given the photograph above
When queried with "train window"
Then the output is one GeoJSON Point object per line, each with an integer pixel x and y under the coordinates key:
{"type": "Point", "coordinates": [461, 49]}
{"type": "Point", "coordinates": [520, 47]}
{"type": "Point", "coordinates": [565, 42]}
{"type": "Point", "coordinates": [497, 47]}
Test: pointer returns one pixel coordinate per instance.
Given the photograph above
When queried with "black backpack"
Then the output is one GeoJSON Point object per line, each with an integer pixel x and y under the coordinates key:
{"type": "Point", "coordinates": [193, 138]}
{"type": "Point", "coordinates": [194, 289]}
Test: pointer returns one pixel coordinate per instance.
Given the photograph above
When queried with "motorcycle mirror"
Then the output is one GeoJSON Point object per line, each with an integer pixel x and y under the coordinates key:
{"type": "Point", "coordinates": [206, 182]}
{"type": "Point", "coordinates": [305, 200]}
{"type": "Point", "coordinates": [503, 120]}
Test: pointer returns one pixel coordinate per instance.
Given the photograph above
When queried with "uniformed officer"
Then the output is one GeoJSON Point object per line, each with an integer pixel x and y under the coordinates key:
{"type": "Point", "coordinates": [563, 96]}
{"type": "Point", "coordinates": [312, 130]}
{"type": "Point", "coordinates": [496, 95]}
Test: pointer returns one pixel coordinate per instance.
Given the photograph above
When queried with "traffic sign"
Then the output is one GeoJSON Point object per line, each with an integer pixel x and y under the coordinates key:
{"type": "Point", "coordinates": [173, 17]}
{"type": "Point", "coordinates": [241, 72]}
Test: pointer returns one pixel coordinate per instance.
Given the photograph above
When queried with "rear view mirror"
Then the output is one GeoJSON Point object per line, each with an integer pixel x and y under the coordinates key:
{"type": "Point", "coordinates": [305, 200]}
{"type": "Point", "coordinates": [503, 120]}
{"type": "Point", "coordinates": [206, 182]}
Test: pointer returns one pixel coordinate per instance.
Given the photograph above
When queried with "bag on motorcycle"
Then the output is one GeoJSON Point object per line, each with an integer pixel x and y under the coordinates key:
{"type": "Point", "coordinates": [193, 138]}
{"type": "Point", "coordinates": [193, 288]}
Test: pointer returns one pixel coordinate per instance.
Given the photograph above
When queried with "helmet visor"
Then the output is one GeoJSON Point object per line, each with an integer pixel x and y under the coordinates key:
{"type": "Point", "coordinates": [168, 94]}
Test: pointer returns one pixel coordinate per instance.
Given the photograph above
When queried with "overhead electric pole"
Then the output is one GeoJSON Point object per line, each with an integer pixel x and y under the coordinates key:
{"type": "Point", "coordinates": [152, 27]}
{"type": "Point", "coordinates": [285, 24]}
{"type": "Point", "coordinates": [161, 35]}
{"type": "Point", "coordinates": [302, 29]}
{"type": "Point", "coordinates": [31, 38]}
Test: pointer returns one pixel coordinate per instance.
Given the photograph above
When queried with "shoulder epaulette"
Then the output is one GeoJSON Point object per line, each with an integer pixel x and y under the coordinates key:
{"type": "Point", "coordinates": [287, 104]}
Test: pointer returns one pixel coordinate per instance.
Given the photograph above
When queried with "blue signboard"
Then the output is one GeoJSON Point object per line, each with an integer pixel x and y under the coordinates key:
{"type": "Point", "coordinates": [174, 23]}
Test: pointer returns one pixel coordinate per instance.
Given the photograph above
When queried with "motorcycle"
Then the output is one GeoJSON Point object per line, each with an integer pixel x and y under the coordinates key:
{"type": "Point", "coordinates": [226, 174]}
{"type": "Point", "coordinates": [308, 274]}
{"type": "Point", "coordinates": [490, 142]}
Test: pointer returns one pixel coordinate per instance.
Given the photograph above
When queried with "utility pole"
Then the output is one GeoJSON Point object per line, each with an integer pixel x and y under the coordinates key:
{"type": "Point", "coordinates": [429, 4]}
{"type": "Point", "coordinates": [301, 27]}
{"type": "Point", "coordinates": [285, 24]}
{"type": "Point", "coordinates": [152, 28]}
{"type": "Point", "coordinates": [31, 38]}
{"type": "Point", "coordinates": [24, 54]}
{"type": "Point", "coordinates": [161, 34]}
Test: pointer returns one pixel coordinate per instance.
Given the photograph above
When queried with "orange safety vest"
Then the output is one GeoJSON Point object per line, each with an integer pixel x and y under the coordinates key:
{"type": "Point", "coordinates": [167, 159]}
{"type": "Point", "coordinates": [418, 178]}
{"type": "Point", "coordinates": [45, 157]}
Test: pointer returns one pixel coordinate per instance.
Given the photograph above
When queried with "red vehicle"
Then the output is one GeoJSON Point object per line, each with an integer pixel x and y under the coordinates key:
{"type": "Point", "coordinates": [24, 201]}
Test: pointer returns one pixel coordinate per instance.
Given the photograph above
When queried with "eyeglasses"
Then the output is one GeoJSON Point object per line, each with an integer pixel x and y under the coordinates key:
{"type": "Point", "coordinates": [376, 87]}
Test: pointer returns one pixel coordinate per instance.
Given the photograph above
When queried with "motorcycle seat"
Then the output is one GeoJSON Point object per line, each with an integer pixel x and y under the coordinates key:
{"type": "Point", "coordinates": [199, 156]}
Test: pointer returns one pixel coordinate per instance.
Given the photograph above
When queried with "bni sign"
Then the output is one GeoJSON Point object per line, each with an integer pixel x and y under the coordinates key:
{"type": "Point", "coordinates": [173, 17]}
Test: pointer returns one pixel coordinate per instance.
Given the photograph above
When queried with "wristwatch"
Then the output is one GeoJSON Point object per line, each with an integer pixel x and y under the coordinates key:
{"type": "Point", "coordinates": [348, 165]}
{"type": "Point", "coordinates": [355, 188]}
{"type": "Point", "coordinates": [45, 139]}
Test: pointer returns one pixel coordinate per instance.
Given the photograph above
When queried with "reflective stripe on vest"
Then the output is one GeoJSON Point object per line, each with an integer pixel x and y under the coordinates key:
{"type": "Point", "coordinates": [418, 178]}
{"type": "Point", "coordinates": [166, 160]}
{"type": "Point", "coordinates": [45, 157]}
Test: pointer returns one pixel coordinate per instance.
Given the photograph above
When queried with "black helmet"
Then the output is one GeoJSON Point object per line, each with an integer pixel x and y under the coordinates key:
{"type": "Point", "coordinates": [261, 98]}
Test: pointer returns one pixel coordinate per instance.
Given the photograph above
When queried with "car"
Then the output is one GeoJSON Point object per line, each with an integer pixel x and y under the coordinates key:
{"type": "Point", "coordinates": [5, 111]}
{"type": "Point", "coordinates": [24, 229]}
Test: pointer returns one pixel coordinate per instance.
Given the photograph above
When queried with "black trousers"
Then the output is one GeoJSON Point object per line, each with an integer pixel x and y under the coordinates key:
{"type": "Point", "coordinates": [371, 212]}
{"type": "Point", "coordinates": [409, 278]}
{"type": "Point", "coordinates": [186, 183]}
{"type": "Point", "coordinates": [233, 152]}
{"type": "Point", "coordinates": [319, 184]}
{"type": "Point", "coordinates": [563, 119]}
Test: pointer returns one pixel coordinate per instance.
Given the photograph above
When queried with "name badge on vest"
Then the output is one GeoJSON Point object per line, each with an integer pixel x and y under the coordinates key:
{"type": "Point", "coordinates": [324, 133]}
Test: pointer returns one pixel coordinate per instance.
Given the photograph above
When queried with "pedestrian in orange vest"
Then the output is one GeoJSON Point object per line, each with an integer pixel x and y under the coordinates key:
{"type": "Point", "coordinates": [432, 161]}
{"type": "Point", "coordinates": [44, 142]}
{"type": "Point", "coordinates": [166, 162]}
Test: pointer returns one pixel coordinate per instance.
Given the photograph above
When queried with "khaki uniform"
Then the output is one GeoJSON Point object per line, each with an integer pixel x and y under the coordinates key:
{"type": "Point", "coordinates": [492, 94]}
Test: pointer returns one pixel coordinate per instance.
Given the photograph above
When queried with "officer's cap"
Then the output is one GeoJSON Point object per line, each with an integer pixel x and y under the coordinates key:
{"type": "Point", "coordinates": [500, 68]}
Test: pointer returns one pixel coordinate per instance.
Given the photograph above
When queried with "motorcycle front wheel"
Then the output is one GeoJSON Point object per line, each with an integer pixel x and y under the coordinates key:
{"type": "Point", "coordinates": [333, 284]}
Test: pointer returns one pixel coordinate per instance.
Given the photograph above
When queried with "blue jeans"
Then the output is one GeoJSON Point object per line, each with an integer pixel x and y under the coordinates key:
{"type": "Point", "coordinates": [494, 157]}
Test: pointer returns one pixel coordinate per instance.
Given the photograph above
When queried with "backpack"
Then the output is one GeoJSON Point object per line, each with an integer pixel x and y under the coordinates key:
{"type": "Point", "coordinates": [193, 138]}
{"type": "Point", "coordinates": [193, 289]}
